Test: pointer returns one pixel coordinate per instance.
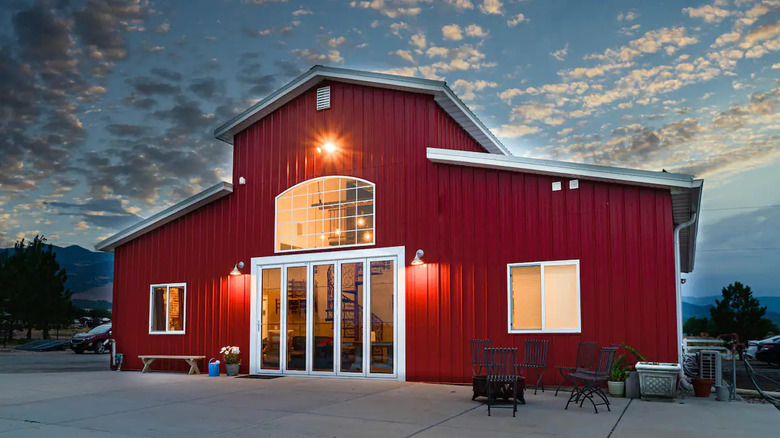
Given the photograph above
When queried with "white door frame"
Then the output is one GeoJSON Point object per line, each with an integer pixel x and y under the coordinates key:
{"type": "Point", "coordinates": [399, 252]}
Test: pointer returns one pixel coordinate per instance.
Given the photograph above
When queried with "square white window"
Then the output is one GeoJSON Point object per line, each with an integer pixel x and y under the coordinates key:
{"type": "Point", "coordinates": [544, 297]}
{"type": "Point", "coordinates": [167, 306]}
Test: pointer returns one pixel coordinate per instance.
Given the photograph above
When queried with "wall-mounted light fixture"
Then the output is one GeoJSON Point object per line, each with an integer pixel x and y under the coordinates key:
{"type": "Point", "coordinates": [237, 268]}
{"type": "Point", "coordinates": [418, 258]}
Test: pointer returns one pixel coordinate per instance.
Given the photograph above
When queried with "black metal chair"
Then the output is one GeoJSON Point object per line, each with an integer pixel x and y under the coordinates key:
{"type": "Point", "coordinates": [501, 376]}
{"type": "Point", "coordinates": [479, 362]}
{"type": "Point", "coordinates": [535, 356]}
{"type": "Point", "coordinates": [587, 383]}
{"type": "Point", "coordinates": [586, 355]}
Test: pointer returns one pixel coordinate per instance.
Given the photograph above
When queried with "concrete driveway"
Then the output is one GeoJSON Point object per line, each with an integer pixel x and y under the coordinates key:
{"type": "Point", "coordinates": [17, 361]}
{"type": "Point", "coordinates": [106, 403]}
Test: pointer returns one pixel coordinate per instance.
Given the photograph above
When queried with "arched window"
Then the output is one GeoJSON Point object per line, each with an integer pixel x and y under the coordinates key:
{"type": "Point", "coordinates": [325, 212]}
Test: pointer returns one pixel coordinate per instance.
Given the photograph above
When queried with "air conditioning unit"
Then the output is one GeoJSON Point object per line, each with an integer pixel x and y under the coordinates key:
{"type": "Point", "coordinates": [710, 366]}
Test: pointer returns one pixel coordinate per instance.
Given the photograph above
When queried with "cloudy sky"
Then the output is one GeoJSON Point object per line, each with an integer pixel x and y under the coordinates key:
{"type": "Point", "coordinates": [107, 106]}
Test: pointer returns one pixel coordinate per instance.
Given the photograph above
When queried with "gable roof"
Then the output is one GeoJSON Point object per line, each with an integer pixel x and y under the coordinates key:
{"type": "Point", "coordinates": [441, 92]}
{"type": "Point", "coordinates": [685, 190]}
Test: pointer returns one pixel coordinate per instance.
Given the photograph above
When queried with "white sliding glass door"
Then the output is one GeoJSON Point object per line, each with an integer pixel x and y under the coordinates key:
{"type": "Point", "coordinates": [328, 317]}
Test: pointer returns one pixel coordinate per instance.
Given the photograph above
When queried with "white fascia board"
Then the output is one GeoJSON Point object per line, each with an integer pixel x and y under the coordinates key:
{"type": "Point", "coordinates": [696, 193]}
{"type": "Point", "coordinates": [562, 169]}
{"type": "Point", "coordinates": [163, 217]}
{"type": "Point", "coordinates": [493, 145]}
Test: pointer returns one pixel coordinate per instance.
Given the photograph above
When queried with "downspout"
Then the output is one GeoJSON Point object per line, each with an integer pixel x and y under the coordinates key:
{"type": "Point", "coordinates": [678, 289]}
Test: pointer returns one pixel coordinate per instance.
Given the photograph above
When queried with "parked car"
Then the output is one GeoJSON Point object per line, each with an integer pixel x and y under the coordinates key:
{"type": "Point", "coordinates": [95, 340]}
{"type": "Point", "coordinates": [753, 346]}
{"type": "Point", "coordinates": [769, 353]}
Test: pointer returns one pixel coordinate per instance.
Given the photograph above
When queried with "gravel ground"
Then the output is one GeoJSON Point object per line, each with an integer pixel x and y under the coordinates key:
{"type": "Point", "coordinates": [743, 381]}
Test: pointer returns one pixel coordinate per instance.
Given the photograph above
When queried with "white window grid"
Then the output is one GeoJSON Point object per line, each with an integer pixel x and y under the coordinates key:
{"type": "Point", "coordinates": [318, 232]}
{"type": "Point", "coordinates": [542, 265]}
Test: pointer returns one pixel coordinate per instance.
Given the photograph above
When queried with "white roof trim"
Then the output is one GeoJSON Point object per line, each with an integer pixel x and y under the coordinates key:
{"type": "Point", "coordinates": [163, 217]}
{"type": "Point", "coordinates": [562, 168]}
{"type": "Point", "coordinates": [442, 93]}
{"type": "Point", "coordinates": [678, 184]}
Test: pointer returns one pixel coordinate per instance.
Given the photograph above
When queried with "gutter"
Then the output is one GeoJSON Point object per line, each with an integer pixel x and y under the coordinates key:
{"type": "Point", "coordinates": [678, 288]}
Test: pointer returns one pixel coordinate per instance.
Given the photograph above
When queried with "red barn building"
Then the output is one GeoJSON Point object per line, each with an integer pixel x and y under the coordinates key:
{"type": "Point", "coordinates": [339, 178]}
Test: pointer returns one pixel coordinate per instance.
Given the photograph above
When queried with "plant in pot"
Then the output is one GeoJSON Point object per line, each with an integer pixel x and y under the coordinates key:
{"type": "Point", "coordinates": [632, 379]}
{"type": "Point", "coordinates": [617, 377]}
{"type": "Point", "coordinates": [232, 359]}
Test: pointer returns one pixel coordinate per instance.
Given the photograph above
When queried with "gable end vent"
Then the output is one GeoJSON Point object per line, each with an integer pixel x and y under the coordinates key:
{"type": "Point", "coordinates": [323, 98]}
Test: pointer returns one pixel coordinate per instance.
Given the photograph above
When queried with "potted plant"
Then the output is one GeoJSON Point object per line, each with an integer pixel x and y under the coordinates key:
{"type": "Point", "coordinates": [232, 360]}
{"type": "Point", "coordinates": [617, 377]}
{"type": "Point", "coordinates": [632, 377]}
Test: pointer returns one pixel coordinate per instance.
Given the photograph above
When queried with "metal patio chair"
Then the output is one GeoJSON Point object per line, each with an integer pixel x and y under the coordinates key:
{"type": "Point", "coordinates": [535, 356]}
{"type": "Point", "coordinates": [586, 355]}
{"type": "Point", "coordinates": [479, 365]}
{"type": "Point", "coordinates": [501, 376]}
{"type": "Point", "coordinates": [587, 383]}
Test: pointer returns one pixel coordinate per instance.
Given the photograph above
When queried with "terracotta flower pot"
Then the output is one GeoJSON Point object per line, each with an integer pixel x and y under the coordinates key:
{"type": "Point", "coordinates": [702, 387]}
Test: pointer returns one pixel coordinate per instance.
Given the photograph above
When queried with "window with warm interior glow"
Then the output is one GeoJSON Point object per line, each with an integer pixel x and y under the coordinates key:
{"type": "Point", "coordinates": [544, 297]}
{"type": "Point", "coordinates": [166, 308]}
{"type": "Point", "coordinates": [325, 212]}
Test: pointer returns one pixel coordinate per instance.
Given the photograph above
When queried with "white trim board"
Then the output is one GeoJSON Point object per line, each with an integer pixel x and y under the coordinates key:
{"type": "Point", "coordinates": [563, 169]}
{"type": "Point", "coordinates": [399, 252]}
{"type": "Point", "coordinates": [168, 215]}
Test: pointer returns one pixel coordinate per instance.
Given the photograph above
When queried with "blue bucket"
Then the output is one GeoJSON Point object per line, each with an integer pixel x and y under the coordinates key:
{"type": "Point", "coordinates": [213, 368]}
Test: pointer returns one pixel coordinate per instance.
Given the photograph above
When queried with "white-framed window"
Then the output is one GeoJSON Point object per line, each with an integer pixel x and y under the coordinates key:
{"type": "Point", "coordinates": [325, 212]}
{"type": "Point", "coordinates": [167, 308]}
{"type": "Point", "coordinates": [544, 297]}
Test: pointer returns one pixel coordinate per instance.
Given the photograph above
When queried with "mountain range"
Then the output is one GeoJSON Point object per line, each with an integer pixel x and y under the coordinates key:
{"type": "Point", "coordinates": [90, 275]}
{"type": "Point", "coordinates": [700, 307]}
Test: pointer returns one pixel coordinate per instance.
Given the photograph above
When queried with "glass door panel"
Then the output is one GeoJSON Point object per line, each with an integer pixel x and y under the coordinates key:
{"type": "Point", "coordinates": [323, 293]}
{"type": "Point", "coordinates": [296, 318]}
{"type": "Point", "coordinates": [382, 290]}
{"type": "Point", "coordinates": [352, 317]}
{"type": "Point", "coordinates": [271, 318]}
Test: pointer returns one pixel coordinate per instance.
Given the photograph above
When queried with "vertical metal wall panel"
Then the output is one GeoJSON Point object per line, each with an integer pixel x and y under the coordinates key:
{"type": "Point", "coordinates": [471, 222]}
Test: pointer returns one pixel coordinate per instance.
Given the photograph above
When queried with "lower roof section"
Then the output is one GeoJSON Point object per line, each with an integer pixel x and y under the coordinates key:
{"type": "Point", "coordinates": [685, 190]}
{"type": "Point", "coordinates": [163, 217]}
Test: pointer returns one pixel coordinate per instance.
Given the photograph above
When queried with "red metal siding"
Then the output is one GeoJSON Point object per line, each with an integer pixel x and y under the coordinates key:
{"type": "Point", "coordinates": [471, 222]}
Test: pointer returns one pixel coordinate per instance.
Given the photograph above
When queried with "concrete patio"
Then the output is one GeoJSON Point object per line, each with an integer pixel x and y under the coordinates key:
{"type": "Point", "coordinates": [105, 403]}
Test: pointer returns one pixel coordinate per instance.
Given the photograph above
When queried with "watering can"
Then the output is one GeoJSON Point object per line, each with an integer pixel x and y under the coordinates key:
{"type": "Point", "coordinates": [213, 367]}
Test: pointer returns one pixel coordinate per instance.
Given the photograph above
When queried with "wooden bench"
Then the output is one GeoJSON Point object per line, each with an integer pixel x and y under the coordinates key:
{"type": "Point", "coordinates": [192, 360]}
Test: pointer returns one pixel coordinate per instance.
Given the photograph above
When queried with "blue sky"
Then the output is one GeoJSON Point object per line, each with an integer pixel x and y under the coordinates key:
{"type": "Point", "coordinates": [107, 107]}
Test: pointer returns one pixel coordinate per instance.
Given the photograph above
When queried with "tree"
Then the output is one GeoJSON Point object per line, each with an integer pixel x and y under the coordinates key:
{"type": "Point", "coordinates": [738, 312]}
{"type": "Point", "coordinates": [5, 319]}
{"type": "Point", "coordinates": [34, 286]}
{"type": "Point", "coordinates": [694, 326]}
